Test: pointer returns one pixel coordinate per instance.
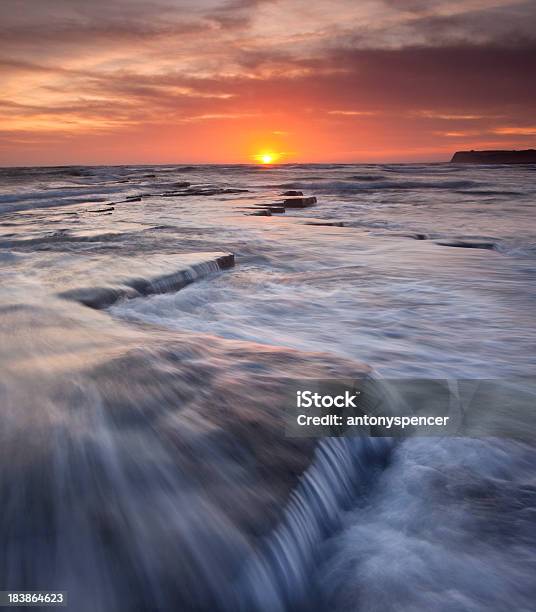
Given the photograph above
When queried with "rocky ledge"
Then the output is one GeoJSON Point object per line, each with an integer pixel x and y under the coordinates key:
{"type": "Point", "coordinates": [154, 275]}
{"type": "Point", "coordinates": [527, 156]}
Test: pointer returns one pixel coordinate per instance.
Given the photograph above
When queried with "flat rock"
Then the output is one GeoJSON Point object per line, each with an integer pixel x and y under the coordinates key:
{"type": "Point", "coordinates": [163, 274]}
{"type": "Point", "coordinates": [326, 223]}
{"type": "Point", "coordinates": [102, 210]}
{"type": "Point", "coordinates": [144, 439]}
{"type": "Point", "coordinates": [173, 194]}
{"type": "Point", "coordinates": [467, 244]}
{"type": "Point", "coordinates": [200, 191]}
{"type": "Point", "coordinates": [392, 234]}
{"type": "Point", "coordinates": [299, 202]}
{"type": "Point", "coordinates": [292, 192]}
{"type": "Point", "coordinates": [261, 213]}
{"type": "Point", "coordinates": [274, 208]}
{"type": "Point", "coordinates": [128, 199]}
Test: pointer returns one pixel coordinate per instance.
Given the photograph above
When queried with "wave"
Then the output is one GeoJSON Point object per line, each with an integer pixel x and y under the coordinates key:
{"type": "Point", "coordinates": [44, 171]}
{"type": "Point", "coordinates": [489, 192]}
{"type": "Point", "coordinates": [346, 186]}
{"type": "Point", "coordinates": [454, 516]}
{"type": "Point", "coordinates": [365, 177]}
{"type": "Point", "coordinates": [517, 248]}
{"type": "Point", "coordinates": [50, 198]}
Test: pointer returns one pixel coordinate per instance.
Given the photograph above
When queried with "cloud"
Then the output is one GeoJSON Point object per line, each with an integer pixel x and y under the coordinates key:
{"type": "Point", "coordinates": [518, 131]}
{"type": "Point", "coordinates": [218, 116]}
{"type": "Point", "coordinates": [351, 113]}
{"type": "Point", "coordinates": [506, 23]}
{"type": "Point", "coordinates": [466, 134]}
{"type": "Point", "coordinates": [430, 114]}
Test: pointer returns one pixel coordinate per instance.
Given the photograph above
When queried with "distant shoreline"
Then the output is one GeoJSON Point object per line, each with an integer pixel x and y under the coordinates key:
{"type": "Point", "coordinates": [527, 156]}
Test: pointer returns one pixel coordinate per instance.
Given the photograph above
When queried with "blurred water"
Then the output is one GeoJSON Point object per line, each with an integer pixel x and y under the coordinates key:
{"type": "Point", "coordinates": [144, 464]}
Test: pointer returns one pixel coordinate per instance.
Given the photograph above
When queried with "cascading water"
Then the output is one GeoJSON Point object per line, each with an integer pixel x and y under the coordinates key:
{"type": "Point", "coordinates": [278, 577]}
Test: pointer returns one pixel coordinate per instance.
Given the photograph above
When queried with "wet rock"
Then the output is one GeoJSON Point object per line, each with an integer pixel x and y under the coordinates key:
{"type": "Point", "coordinates": [265, 207]}
{"type": "Point", "coordinates": [291, 192]}
{"type": "Point", "coordinates": [194, 191]}
{"type": "Point", "coordinates": [395, 234]}
{"type": "Point", "coordinates": [226, 261]}
{"type": "Point", "coordinates": [299, 202]}
{"type": "Point", "coordinates": [145, 439]}
{"type": "Point", "coordinates": [95, 297]}
{"type": "Point", "coordinates": [204, 192]}
{"type": "Point", "coordinates": [467, 244]}
{"type": "Point", "coordinates": [275, 208]}
{"type": "Point", "coordinates": [127, 199]}
{"type": "Point", "coordinates": [261, 213]}
{"type": "Point", "coordinates": [113, 289]}
{"type": "Point", "coordinates": [199, 191]}
{"type": "Point", "coordinates": [102, 210]}
{"type": "Point", "coordinates": [414, 235]}
{"type": "Point", "coordinates": [326, 223]}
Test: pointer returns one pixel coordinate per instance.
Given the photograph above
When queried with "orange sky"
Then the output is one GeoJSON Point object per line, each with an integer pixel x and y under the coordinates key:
{"type": "Point", "coordinates": [212, 81]}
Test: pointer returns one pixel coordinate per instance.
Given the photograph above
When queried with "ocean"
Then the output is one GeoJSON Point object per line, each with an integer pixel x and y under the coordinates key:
{"type": "Point", "coordinates": [144, 464]}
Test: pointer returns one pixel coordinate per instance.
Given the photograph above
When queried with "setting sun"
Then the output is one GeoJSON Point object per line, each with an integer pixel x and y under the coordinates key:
{"type": "Point", "coordinates": [267, 157]}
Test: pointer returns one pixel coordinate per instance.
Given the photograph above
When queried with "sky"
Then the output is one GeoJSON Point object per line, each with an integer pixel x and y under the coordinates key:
{"type": "Point", "coordinates": [223, 81]}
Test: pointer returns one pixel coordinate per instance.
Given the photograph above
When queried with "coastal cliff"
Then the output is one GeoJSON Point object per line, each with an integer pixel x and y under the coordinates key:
{"type": "Point", "coordinates": [527, 156]}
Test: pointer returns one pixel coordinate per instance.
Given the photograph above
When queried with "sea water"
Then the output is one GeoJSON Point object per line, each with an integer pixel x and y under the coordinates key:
{"type": "Point", "coordinates": [428, 272]}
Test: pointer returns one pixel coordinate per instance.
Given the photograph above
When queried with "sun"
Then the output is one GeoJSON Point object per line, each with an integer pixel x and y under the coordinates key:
{"type": "Point", "coordinates": [266, 157]}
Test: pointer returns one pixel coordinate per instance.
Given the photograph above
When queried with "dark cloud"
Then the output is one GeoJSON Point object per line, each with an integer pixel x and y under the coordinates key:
{"type": "Point", "coordinates": [511, 25]}
{"type": "Point", "coordinates": [86, 36]}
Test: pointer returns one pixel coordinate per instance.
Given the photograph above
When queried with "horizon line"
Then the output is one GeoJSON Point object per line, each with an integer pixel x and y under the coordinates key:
{"type": "Point", "coordinates": [216, 164]}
